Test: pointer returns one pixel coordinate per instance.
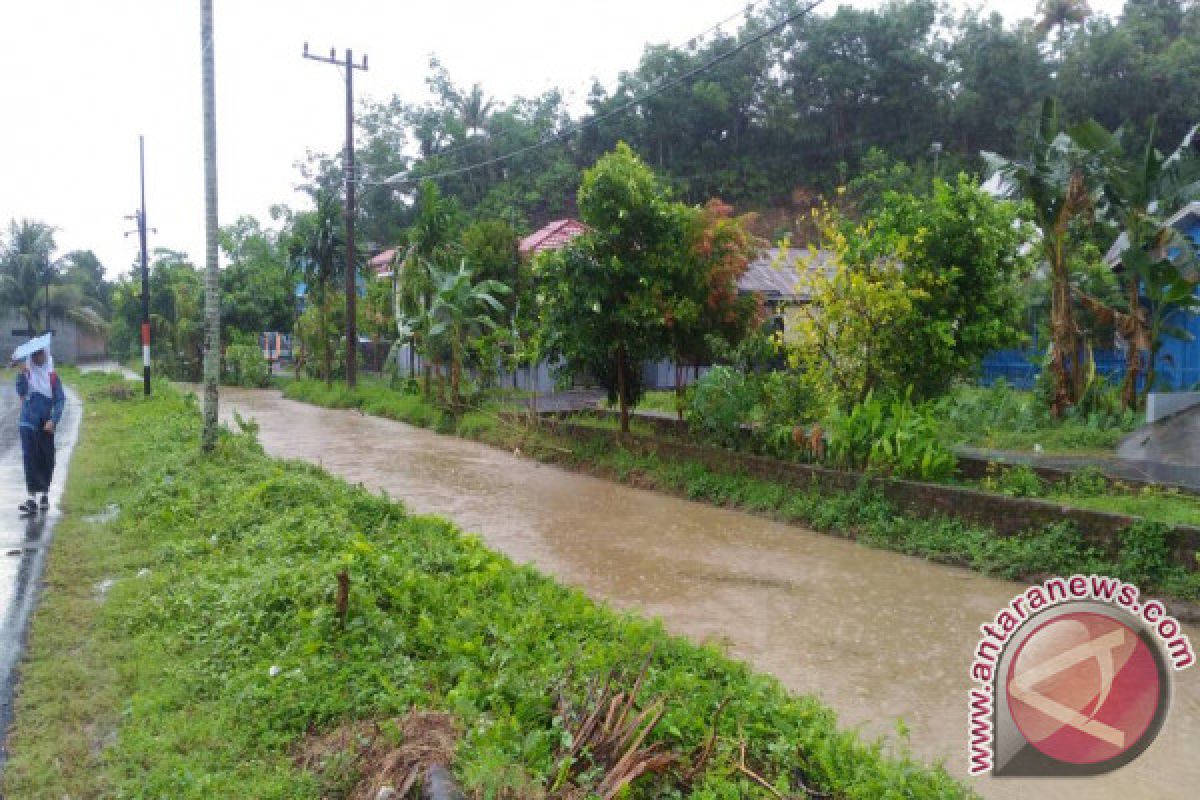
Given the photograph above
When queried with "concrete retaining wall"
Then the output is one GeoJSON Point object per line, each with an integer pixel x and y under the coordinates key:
{"type": "Point", "coordinates": [1005, 515]}
{"type": "Point", "coordinates": [1163, 404]}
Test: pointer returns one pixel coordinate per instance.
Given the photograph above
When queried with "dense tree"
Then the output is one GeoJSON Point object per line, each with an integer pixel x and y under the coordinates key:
{"type": "Point", "coordinates": [605, 294]}
{"type": "Point", "coordinates": [32, 281]}
{"type": "Point", "coordinates": [316, 246]}
{"type": "Point", "coordinates": [922, 292]}
{"type": "Point", "coordinates": [257, 285]}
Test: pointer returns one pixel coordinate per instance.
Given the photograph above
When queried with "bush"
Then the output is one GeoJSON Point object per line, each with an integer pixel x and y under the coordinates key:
{"type": "Point", "coordinates": [719, 404]}
{"type": "Point", "coordinates": [788, 399]}
{"type": "Point", "coordinates": [246, 366]}
{"type": "Point", "coordinates": [895, 437]}
{"type": "Point", "coordinates": [1015, 481]}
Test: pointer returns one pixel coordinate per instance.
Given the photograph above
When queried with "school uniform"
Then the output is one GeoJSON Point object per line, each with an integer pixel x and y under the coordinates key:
{"type": "Point", "coordinates": [42, 401]}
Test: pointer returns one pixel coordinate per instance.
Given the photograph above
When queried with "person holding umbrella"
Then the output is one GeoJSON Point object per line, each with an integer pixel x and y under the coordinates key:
{"type": "Point", "coordinates": [42, 402]}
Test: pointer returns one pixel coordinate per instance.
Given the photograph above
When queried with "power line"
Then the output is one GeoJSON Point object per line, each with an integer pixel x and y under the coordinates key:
{"type": "Point", "coordinates": [401, 178]}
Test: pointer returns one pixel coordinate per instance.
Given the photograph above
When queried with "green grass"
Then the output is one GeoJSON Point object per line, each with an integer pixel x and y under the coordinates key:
{"type": "Point", "coordinates": [1004, 418]}
{"type": "Point", "coordinates": [164, 687]}
{"type": "Point", "coordinates": [653, 400]}
{"type": "Point", "coordinates": [1089, 488]}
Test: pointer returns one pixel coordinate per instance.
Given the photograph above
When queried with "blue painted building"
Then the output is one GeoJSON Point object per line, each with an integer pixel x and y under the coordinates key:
{"type": "Point", "coordinates": [1178, 367]}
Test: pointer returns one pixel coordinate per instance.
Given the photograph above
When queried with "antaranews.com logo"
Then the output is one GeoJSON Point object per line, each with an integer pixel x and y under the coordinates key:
{"type": "Point", "coordinates": [1074, 678]}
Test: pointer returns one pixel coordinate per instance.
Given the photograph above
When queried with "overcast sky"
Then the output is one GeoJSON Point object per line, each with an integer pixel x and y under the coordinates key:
{"type": "Point", "coordinates": [80, 79]}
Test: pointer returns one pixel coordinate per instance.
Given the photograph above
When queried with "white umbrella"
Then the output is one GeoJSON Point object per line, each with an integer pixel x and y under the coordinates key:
{"type": "Point", "coordinates": [32, 346]}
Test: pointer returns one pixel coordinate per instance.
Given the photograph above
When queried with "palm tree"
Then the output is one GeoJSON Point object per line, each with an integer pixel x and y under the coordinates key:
{"type": "Point", "coordinates": [1052, 181]}
{"type": "Point", "coordinates": [1059, 14]}
{"type": "Point", "coordinates": [475, 108]}
{"type": "Point", "coordinates": [212, 275]}
{"type": "Point", "coordinates": [318, 244]}
{"type": "Point", "coordinates": [431, 245]}
{"type": "Point", "coordinates": [1139, 190]}
{"type": "Point", "coordinates": [29, 281]}
{"type": "Point", "coordinates": [461, 310]}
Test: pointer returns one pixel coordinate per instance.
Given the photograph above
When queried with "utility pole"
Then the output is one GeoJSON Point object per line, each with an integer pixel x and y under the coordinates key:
{"type": "Point", "coordinates": [140, 217]}
{"type": "Point", "coordinates": [351, 282]}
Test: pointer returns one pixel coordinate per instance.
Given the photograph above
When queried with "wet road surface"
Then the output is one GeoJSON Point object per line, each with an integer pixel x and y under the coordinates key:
{"type": "Point", "coordinates": [878, 636]}
{"type": "Point", "coordinates": [23, 542]}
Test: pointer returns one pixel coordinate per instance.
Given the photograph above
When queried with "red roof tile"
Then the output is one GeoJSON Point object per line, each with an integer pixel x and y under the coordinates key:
{"type": "Point", "coordinates": [553, 236]}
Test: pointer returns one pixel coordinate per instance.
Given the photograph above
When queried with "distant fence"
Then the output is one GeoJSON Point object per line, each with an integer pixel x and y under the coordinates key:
{"type": "Point", "coordinates": [1020, 368]}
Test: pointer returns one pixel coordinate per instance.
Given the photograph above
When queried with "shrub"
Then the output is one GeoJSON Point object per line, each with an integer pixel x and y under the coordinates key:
{"type": "Point", "coordinates": [896, 437]}
{"type": "Point", "coordinates": [1016, 481]}
{"type": "Point", "coordinates": [719, 404]}
{"type": "Point", "coordinates": [246, 366]}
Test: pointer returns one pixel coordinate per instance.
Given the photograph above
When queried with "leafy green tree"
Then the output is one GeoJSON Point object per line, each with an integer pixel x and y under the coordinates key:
{"type": "Point", "coordinates": [316, 245]}
{"type": "Point", "coordinates": [490, 248]}
{"type": "Point", "coordinates": [176, 315]}
{"type": "Point", "coordinates": [31, 281]}
{"type": "Point", "coordinates": [605, 294]}
{"type": "Point", "coordinates": [703, 305]}
{"type": "Point", "coordinates": [83, 269]}
{"type": "Point", "coordinates": [924, 288]}
{"type": "Point", "coordinates": [257, 286]}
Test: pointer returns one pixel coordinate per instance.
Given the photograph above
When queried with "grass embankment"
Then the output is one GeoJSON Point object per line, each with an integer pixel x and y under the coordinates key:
{"type": "Point", "coordinates": [218, 649]}
{"type": "Point", "coordinates": [1143, 557]}
{"type": "Point", "coordinates": [1003, 418]}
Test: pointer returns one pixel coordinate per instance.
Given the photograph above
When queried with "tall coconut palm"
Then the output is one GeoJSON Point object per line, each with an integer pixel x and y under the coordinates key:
{"type": "Point", "coordinates": [475, 108]}
{"type": "Point", "coordinates": [1139, 189]}
{"type": "Point", "coordinates": [1060, 14]}
{"type": "Point", "coordinates": [1053, 182]}
{"type": "Point", "coordinates": [29, 281]}
{"type": "Point", "coordinates": [461, 310]}
{"type": "Point", "coordinates": [212, 275]}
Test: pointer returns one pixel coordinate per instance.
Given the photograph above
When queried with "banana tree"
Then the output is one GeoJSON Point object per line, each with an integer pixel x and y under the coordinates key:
{"type": "Point", "coordinates": [1053, 183]}
{"type": "Point", "coordinates": [1139, 188]}
{"type": "Point", "coordinates": [461, 310]}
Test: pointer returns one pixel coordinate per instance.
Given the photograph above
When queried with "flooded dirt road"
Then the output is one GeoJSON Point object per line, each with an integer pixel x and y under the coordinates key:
{"type": "Point", "coordinates": [876, 635]}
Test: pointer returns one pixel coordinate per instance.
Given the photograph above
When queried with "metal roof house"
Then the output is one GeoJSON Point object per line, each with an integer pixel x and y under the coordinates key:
{"type": "Point", "coordinates": [781, 275]}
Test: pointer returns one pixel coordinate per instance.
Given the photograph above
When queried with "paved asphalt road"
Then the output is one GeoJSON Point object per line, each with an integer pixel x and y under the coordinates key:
{"type": "Point", "coordinates": [23, 542]}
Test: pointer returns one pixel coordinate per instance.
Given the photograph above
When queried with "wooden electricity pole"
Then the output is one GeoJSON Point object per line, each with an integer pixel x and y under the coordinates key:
{"type": "Point", "coordinates": [351, 271]}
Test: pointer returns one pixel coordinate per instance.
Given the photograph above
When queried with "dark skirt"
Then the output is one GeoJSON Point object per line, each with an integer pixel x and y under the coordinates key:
{"type": "Point", "coordinates": [38, 449]}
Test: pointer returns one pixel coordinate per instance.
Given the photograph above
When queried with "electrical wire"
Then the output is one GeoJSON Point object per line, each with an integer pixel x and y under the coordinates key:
{"type": "Point", "coordinates": [402, 178]}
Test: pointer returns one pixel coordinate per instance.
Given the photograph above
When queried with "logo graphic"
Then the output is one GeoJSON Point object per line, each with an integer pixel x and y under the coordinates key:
{"type": "Point", "coordinates": [1073, 679]}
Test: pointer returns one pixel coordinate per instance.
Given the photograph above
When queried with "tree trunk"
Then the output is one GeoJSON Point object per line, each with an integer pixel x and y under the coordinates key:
{"type": "Point", "coordinates": [622, 388]}
{"type": "Point", "coordinates": [1129, 393]}
{"type": "Point", "coordinates": [212, 276]}
{"type": "Point", "coordinates": [1064, 335]}
{"type": "Point", "coordinates": [327, 348]}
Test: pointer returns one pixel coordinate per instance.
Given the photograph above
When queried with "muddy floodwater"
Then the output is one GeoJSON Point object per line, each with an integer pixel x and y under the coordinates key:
{"type": "Point", "coordinates": [878, 636]}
